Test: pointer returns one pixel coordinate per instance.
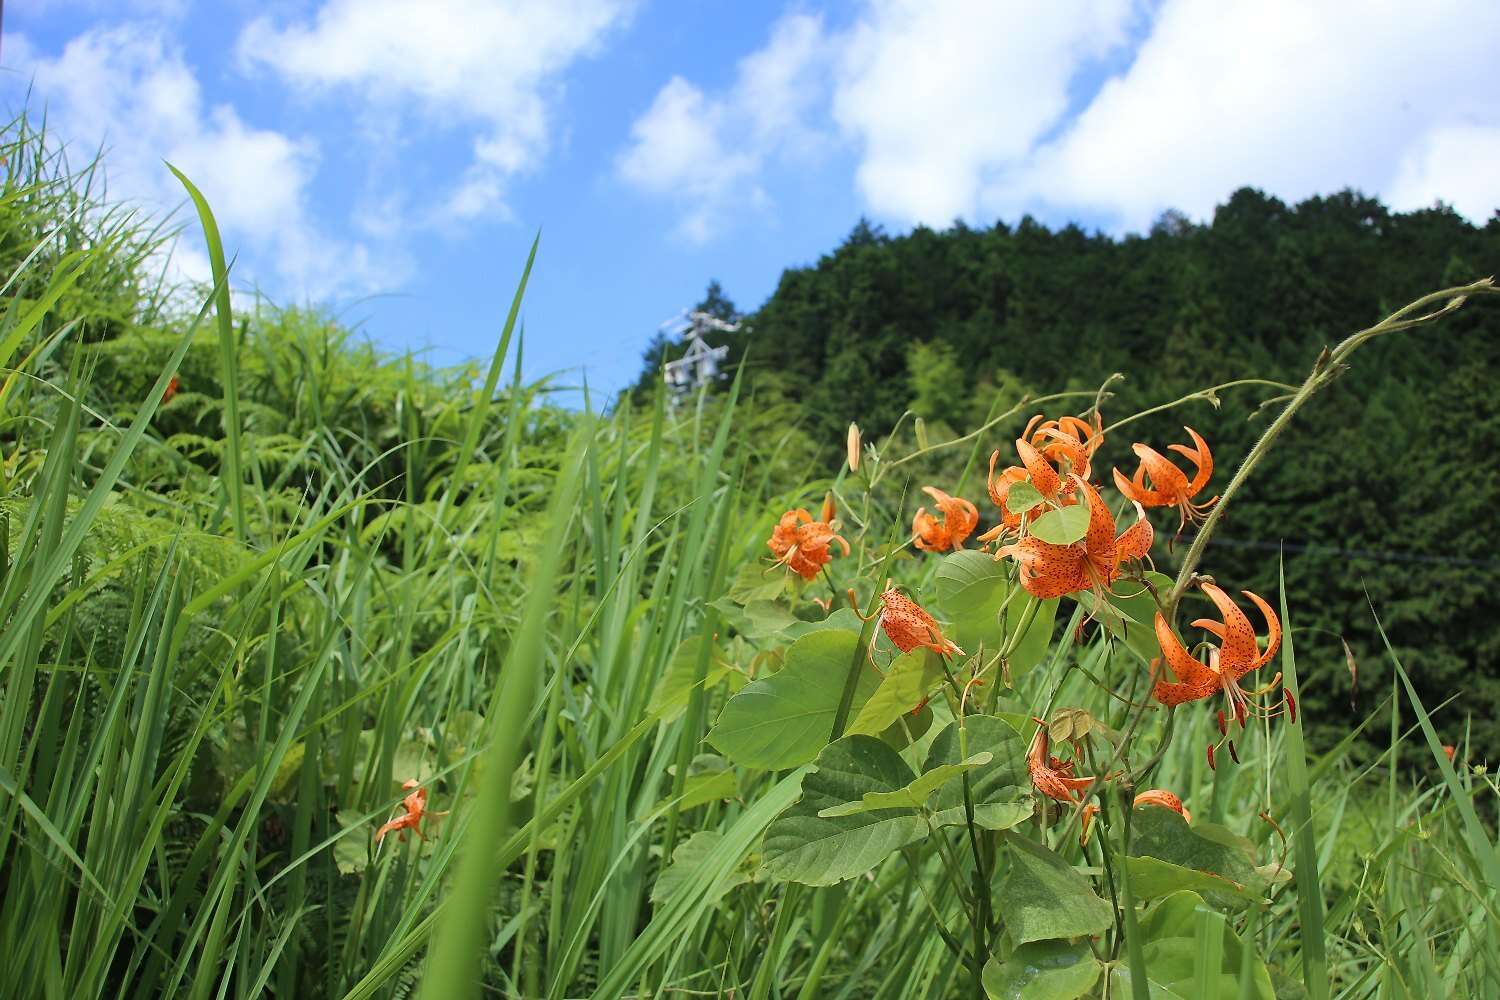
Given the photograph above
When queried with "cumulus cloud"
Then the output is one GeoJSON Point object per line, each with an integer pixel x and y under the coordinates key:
{"type": "Point", "coordinates": [127, 90]}
{"type": "Point", "coordinates": [941, 97]}
{"type": "Point", "coordinates": [1107, 110]}
{"type": "Point", "coordinates": [455, 62]}
{"type": "Point", "coordinates": [1292, 97]}
{"type": "Point", "coordinates": [707, 151]}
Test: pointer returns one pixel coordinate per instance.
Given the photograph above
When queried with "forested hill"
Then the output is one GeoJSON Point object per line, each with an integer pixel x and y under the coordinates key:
{"type": "Point", "coordinates": [1389, 482]}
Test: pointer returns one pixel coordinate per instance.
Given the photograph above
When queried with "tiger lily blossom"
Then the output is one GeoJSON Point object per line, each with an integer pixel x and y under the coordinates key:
{"type": "Point", "coordinates": [1170, 486]}
{"type": "Point", "coordinates": [1052, 452]}
{"type": "Point", "coordinates": [802, 544]}
{"type": "Point", "coordinates": [415, 806]}
{"type": "Point", "coordinates": [910, 627]}
{"type": "Point", "coordinates": [1238, 653]}
{"type": "Point", "coordinates": [958, 523]}
{"type": "Point", "coordinates": [1049, 570]}
{"type": "Point", "coordinates": [1052, 777]}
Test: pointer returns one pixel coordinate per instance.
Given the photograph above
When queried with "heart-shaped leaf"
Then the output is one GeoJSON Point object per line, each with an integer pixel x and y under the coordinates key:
{"type": "Point", "coordinates": [1043, 897]}
{"type": "Point", "coordinates": [1043, 970]}
{"type": "Point", "coordinates": [1063, 526]}
{"type": "Point", "coordinates": [802, 845]}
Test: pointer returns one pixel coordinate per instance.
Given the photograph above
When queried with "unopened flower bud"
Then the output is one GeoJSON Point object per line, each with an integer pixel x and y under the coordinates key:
{"type": "Point", "coordinates": [853, 447]}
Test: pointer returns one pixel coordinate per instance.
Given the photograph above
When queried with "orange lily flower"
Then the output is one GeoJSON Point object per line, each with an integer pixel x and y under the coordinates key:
{"type": "Point", "coordinates": [1049, 570]}
{"type": "Point", "coordinates": [909, 627]}
{"type": "Point", "coordinates": [1170, 486]}
{"type": "Point", "coordinates": [1237, 654]}
{"type": "Point", "coordinates": [801, 544]}
{"type": "Point", "coordinates": [959, 521]}
{"type": "Point", "coordinates": [171, 390]}
{"type": "Point", "coordinates": [1051, 776]}
{"type": "Point", "coordinates": [1051, 452]}
{"type": "Point", "coordinates": [415, 805]}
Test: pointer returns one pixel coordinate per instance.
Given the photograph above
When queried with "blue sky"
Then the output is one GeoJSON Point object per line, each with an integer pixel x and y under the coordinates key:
{"type": "Point", "coordinates": [394, 159]}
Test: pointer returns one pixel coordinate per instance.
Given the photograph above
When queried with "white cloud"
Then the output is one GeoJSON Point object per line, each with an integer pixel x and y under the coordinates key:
{"type": "Point", "coordinates": [460, 61]}
{"type": "Point", "coordinates": [128, 91]}
{"type": "Point", "coordinates": [943, 96]}
{"type": "Point", "coordinates": [1456, 164]}
{"type": "Point", "coordinates": [1292, 97]}
{"type": "Point", "coordinates": [707, 151]}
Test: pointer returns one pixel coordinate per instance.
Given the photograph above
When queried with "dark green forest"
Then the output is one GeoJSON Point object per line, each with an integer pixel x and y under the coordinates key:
{"type": "Point", "coordinates": [1385, 489]}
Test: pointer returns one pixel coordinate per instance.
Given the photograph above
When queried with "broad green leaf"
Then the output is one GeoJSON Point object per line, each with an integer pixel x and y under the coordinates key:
{"type": "Point", "coordinates": [1022, 497]}
{"type": "Point", "coordinates": [767, 618]}
{"type": "Point", "coordinates": [1063, 526]}
{"type": "Point", "coordinates": [1043, 970]}
{"type": "Point", "coordinates": [906, 684]}
{"type": "Point", "coordinates": [971, 584]}
{"type": "Point", "coordinates": [351, 852]}
{"type": "Point", "coordinates": [710, 779]}
{"type": "Point", "coordinates": [843, 619]}
{"type": "Point", "coordinates": [676, 684]}
{"type": "Point", "coordinates": [1156, 832]}
{"type": "Point", "coordinates": [687, 859]}
{"type": "Point", "coordinates": [1001, 789]}
{"type": "Point", "coordinates": [754, 583]}
{"type": "Point", "coordinates": [1152, 878]}
{"type": "Point", "coordinates": [1130, 613]}
{"type": "Point", "coordinates": [1170, 929]}
{"type": "Point", "coordinates": [804, 846]}
{"type": "Point", "coordinates": [1043, 897]}
{"type": "Point", "coordinates": [784, 720]}
{"type": "Point", "coordinates": [914, 795]}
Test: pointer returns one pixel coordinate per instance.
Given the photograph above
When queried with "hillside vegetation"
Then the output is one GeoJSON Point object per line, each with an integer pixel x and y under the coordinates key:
{"type": "Point", "coordinates": [325, 673]}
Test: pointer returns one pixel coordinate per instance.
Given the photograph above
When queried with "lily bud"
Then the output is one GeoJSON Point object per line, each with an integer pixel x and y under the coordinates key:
{"type": "Point", "coordinates": [829, 511]}
{"type": "Point", "coordinates": [853, 447]}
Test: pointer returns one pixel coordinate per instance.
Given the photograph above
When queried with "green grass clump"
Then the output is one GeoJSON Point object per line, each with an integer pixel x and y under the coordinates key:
{"type": "Point", "coordinates": [233, 622]}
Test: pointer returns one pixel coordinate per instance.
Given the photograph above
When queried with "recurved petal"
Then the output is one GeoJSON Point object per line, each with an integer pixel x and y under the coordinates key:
{"type": "Point", "coordinates": [1183, 665]}
{"type": "Point", "coordinates": [1238, 649]}
{"type": "Point", "coordinates": [1167, 480]}
{"type": "Point", "coordinates": [1135, 541]}
{"type": "Point", "coordinates": [1273, 628]}
{"type": "Point", "coordinates": [1043, 476]}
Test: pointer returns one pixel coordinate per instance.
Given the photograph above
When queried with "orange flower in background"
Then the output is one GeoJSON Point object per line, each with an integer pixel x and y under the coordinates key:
{"type": "Point", "coordinates": [958, 523]}
{"type": "Point", "coordinates": [1237, 654]}
{"type": "Point", "coordinates": [1052, 777]}
{"type": "Point", "coordinates": [1162, 797]}
{"type": "Point", "coordinates": [171, 390]}
{"type": "Point", "coordinates": [801, 544]}
{"type": "Point", "coordinates": [1049, 570]}
{"type": "Point", "coordinates": [999, 488]}
{"type": "Point", "coordinates": [415, 806]}
{"type": "Point", "coordinates": [1071, 440]}
{"type": "Point", "coordinates": [909, 627]}
{"type": "Point", "coordinates": [1154, 797]}
{"type": "Point", "coordinates": [1170, 486]}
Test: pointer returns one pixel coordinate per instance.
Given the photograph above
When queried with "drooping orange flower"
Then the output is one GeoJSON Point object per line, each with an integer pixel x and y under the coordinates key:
{"type": "Point", "coordinates": [1237, 654]}
{"type": "Point", "coordinates": [1170, 486]}
{"type": "Point", "coordinates": [909, 627]}
{"type": "Point", "coordinates": [1093, 562]}
{"type": "Point", "coordinates": [801, 544]}
{"type": "Point", "coordinates": [415, 806]}
{"type": "Point", "coordinates": [958, 523]}
{"type": "Point", "coordinates": [1051, 776]}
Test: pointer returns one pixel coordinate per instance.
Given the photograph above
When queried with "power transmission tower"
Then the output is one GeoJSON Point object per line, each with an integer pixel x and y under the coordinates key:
{"type": "Point", "coordinates": [699, 364]}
